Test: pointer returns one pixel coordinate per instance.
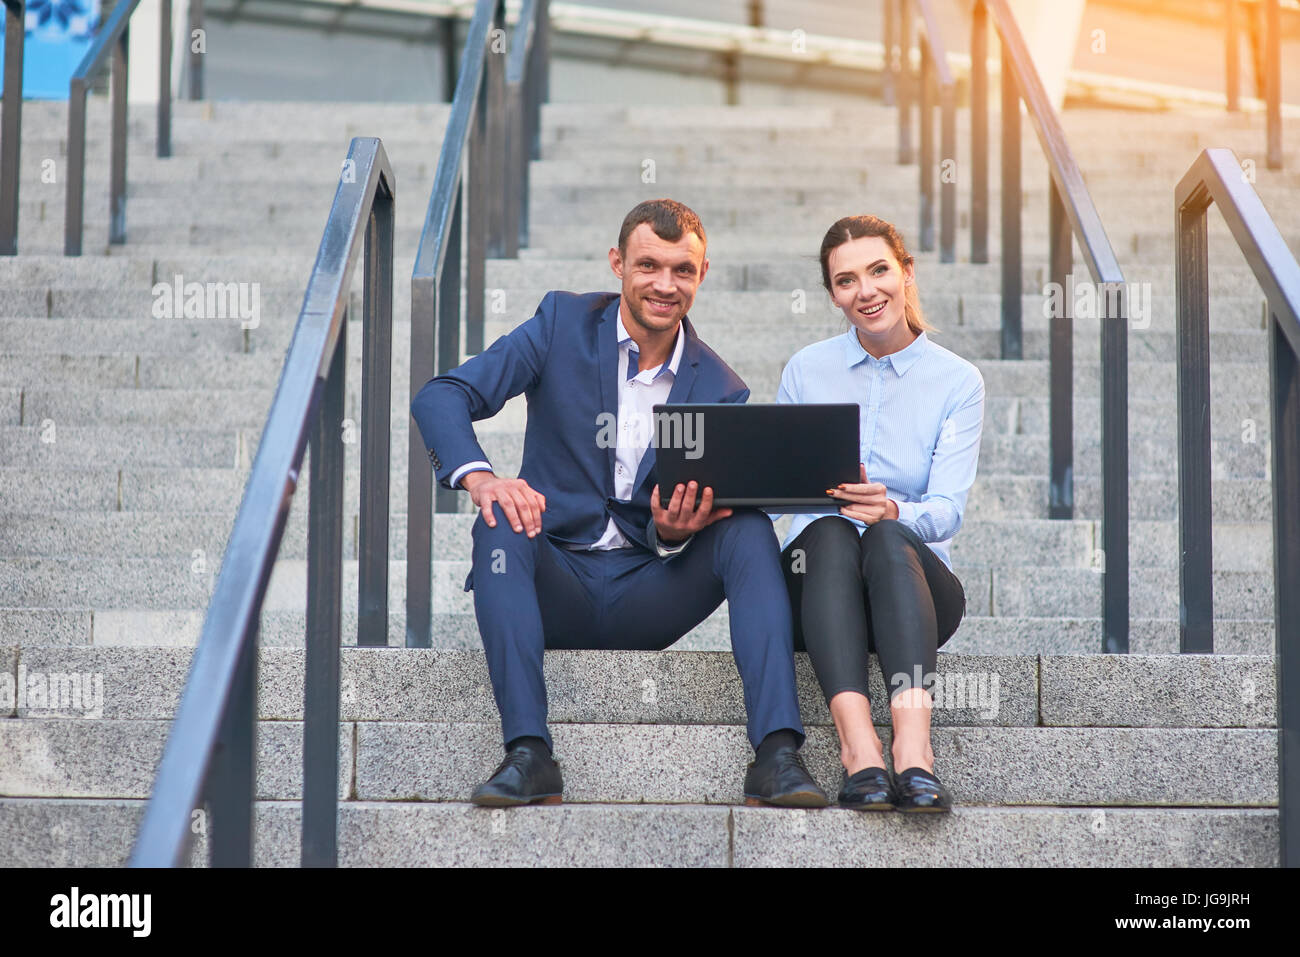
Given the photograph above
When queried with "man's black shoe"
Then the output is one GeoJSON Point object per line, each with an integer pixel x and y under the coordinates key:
{"type": "Point", "coordinates": [783, 780]}
{"type": "Point", "coordinates": [527, 775]}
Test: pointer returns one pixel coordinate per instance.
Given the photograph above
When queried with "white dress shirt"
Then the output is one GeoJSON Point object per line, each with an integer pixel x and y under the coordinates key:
{"type": "Point", "coordinates": [922, 412]}
{"type": "Point", "coordinates": [638, 393]}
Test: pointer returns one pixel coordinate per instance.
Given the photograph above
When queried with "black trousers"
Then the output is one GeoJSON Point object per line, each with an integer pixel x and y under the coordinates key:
{"type": "Point", "coordinates": [884, 591]}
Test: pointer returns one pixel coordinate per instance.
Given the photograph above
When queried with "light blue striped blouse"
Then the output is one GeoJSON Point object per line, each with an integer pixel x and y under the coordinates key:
{"type": "Point", "coordinates": [922, 413]}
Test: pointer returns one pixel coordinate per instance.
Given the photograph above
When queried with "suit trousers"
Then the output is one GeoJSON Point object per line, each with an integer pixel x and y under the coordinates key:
{"type": "Point", "coordinates": [884, 591]}
{"type": "Point", "coordinates": [531, 594]}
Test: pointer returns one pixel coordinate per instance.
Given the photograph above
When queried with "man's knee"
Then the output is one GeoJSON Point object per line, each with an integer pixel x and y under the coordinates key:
{"type": "Point", "coordinates": [748, 528]}
{"type": "Point", "coordinates": [494, 543]}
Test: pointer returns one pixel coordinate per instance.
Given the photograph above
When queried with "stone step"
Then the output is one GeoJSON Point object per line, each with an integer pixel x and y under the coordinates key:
{"type": "Point", "coordinates": [1242, 420]}
{"type": "Point", "coordinates": [531, 277]}
{"type": "Point", "coordinates": [670, 687]}
{"type": "Point", "coordinates": [100, 833]}
{"type": "Point", "coordinates": [1000, 543]}
{"type": "Point", "coordinates": [50, 444]}
{"type": "Point", "coordinates": [186, 581]}
{"type": "Point", "coordinates": [146, 489]}
{"type": "Point", "coordinates": [669, 764]}
{"type": "Point", "coordinates": [978, 634]}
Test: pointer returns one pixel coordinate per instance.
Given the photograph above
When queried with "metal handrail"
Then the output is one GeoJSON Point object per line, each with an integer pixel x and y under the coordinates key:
{"type": "Point", "coordinates": [491, 141]}
{"type": "Point", "coordinates": [1270, 59]}
{"type": "Point", "coordinates": [112, 40]}
{"type": "Point", "coordinates": [210, 753]}
{"type": "Point", "coordinates": [1215, 177]}
{"type": "Point", "coordinates": [11, 132]}
{"type": "Point", "coordinates": [1072, 214]}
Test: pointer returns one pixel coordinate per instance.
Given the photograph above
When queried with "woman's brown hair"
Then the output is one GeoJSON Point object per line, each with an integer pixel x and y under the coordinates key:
{"type": "Point", "coordinates": [858, 227]}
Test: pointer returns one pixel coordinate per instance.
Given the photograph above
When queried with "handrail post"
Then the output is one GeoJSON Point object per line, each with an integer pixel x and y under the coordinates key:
{"type": "Point", "coordinates": [12, 130]}
{"type": "Point", "coordinates": [449, 288]}
{"type": "Point", "coordinates": [948, 181]}
{"type": "Point", "coordinates": [1061, 259]}
{"type": "Point", "coordinates": [498, 169]}
{"type": "Point", "coordinates": [73, 221]}
{"type": "Point", "coordinates": [1232, 56]}
{"type": "Point", "coordinates": [1273, 80]}
{"type": "Point", "coordinates": [1114, 472]}
{"type": "Point", "coordinates": [887, 84]}
{"type": "Point", "coordinates": [479, 167]}
{"type": "Point", "coordinates": [196, 55]}
{"type": "Point", "coordinates": [165, 79]}
{"type": "Point", "coordinates": [904, 82]}
{"type": "Point", "coordinates": [376, 405]}
{"type": "Point", "coordinates": [117, 175]}
{"type": "Point", "coordinates": [927, 148]}
{"type": "Point", "coordinates": [1195, 505]}
{"type": "Point", "coordinates": [1284, 375]}
{"type": "Point", "coordinates": [979, 134]}
{"type": "Point", "coordinates": [537, 93]}
{"type": "Point", "coordinates": [543, 68]}
{"type": "Point", "coordinates": [419, 474]}
{"type": "Point", "coordinates": [320, 732]}
{"type": "Point", "coordinates": [1012, 339]}
{"type": "Point", "coordinates": [232, 786]}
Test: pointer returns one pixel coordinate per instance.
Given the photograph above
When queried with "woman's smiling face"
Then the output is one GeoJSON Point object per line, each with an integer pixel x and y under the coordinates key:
{"type": "Point", "coordinates": [869, 286]}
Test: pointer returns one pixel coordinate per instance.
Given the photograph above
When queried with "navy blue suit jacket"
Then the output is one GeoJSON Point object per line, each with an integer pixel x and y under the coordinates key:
{"type": "Point", "coordinates": [565, 359]}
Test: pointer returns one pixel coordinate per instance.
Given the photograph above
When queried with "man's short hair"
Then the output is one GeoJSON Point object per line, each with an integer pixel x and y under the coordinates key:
{"type": "Point", "coordinates": [668, 218]}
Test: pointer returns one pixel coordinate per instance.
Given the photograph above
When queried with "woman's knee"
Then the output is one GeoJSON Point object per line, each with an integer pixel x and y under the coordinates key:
{"type": "Point", "coordinates": [887, 541]}
{"type": "Point", "coordinates": [831, 542]}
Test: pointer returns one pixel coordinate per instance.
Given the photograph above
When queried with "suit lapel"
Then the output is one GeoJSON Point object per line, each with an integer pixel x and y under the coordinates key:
{"type": "Point", "coordinates": [607, 358]}
{"type": "Point", "coordinates": [680, 392]}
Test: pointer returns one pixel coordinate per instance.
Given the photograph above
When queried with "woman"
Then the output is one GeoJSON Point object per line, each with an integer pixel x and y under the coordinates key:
{"type": "Point", "coordinates": [877, 576]}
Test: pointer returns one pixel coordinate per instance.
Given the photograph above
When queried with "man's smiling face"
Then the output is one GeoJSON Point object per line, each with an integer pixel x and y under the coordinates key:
{"type": "Point", "coordinates": [659, 277]}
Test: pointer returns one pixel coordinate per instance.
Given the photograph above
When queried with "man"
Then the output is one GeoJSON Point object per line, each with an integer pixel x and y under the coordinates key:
{"type": "Point", "coordinates": [614, 569]}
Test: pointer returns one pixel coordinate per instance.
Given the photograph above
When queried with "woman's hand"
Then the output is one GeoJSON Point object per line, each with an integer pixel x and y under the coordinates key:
{"type": "Point", "coordinates": [867, 501]}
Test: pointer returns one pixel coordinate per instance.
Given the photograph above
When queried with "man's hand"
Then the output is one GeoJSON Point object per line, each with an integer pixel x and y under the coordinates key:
{"type": "Point", "coordinates": [681, 519]}
{"type": "Point", "coordinates": [868, 501]}
{"type": "Point", "coordinates": [522, 504]}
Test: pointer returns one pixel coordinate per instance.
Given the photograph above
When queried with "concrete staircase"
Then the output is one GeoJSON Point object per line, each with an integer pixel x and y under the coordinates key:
{"type": "Point", "coordinates": [128, 439]}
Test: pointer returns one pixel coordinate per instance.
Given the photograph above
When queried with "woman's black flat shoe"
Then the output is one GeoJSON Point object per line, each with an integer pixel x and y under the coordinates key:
{"type": "Point", "coordinates": [918, 790]}
{"type": "Point", "coordinates": [868, 790]}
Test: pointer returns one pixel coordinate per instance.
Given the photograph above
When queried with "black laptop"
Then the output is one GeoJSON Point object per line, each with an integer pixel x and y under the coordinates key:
{"type": "Point", "coordinates": [781, 458]}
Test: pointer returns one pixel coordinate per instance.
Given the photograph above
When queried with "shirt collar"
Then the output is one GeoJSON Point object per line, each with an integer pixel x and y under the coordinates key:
{"type": "Point", "coordinates": [901, 361]}
{"type": "Point", "coordinates": [625, 341]}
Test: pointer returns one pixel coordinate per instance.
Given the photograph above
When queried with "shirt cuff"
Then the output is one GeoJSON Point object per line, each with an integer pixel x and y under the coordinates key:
{"type": "Point", "coordinates": [465, 469]}
{"type": "Point", "coordinates": [666, 550]}
{"type": "Point", "coordinates": [907, 512]}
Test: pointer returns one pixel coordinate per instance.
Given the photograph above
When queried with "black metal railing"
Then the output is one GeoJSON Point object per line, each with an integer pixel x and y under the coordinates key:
{"type": "Point", "coordinates": [481, 182]}
{"type": "Point", "coordinates": [1266, 45]}
{"type": "Point", "coordinates": [112, 40]}
{"type": "Point", "coordinates": [11, 131]}
{"type": "Point", "coordinates": [211, 753]}
{"type": "Point", "coordinates": [194, 30]}
{"type": "Point", "coordinates": [936, 88]}
{"type": "Point", "coordinates": [1215, 177]}
{"type": "Point", "coordinates": [1071, 215]}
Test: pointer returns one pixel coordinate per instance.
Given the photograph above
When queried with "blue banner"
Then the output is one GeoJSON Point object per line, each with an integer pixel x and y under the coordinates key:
{"type": "Point", "coordinates": [59, 32]}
